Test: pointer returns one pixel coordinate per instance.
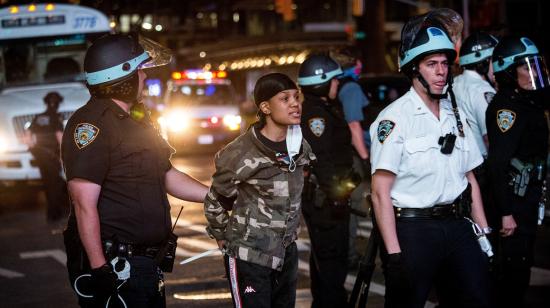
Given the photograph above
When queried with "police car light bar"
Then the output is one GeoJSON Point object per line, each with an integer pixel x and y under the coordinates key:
{"type": "Point", "coordinates": [199, 75]}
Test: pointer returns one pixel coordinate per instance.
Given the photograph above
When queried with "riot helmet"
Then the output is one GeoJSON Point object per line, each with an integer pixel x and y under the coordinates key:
{"type": "Point", "coordinates": [512, 53]}
{"type": "Point", "coordinates": [427, 41]}
{"type": "Point", "coordinates": [475, 53]}
{"type": "Point", "coordinates": [112, 62]}
{"type": "Point", "coordinates": [316, 73]}
{"type": "Point", "coordinates": [52, 100]}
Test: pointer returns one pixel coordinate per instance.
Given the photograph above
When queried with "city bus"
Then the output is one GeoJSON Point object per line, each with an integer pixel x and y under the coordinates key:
{"type": "Point", "coordinates": [42, 48]}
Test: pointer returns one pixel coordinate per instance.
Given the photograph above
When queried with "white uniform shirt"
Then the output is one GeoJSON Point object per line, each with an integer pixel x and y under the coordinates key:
{"type": "Point", "coordinates": [424, 176]}
{"type": "Point", "coordinates": [473, 94]}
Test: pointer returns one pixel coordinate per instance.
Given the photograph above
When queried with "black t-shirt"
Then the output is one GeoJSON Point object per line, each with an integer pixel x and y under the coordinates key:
{"type": "Point", "coordinates": [281, 153]}
{"type": "Point", "coordinates": [44, 126]}
{"type": "Point", "coordinates": [129, 159]}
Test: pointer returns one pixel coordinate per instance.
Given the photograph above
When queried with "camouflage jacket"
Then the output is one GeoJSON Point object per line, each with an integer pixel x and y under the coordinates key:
{"type": "Point", "coordinates": [267, 198]}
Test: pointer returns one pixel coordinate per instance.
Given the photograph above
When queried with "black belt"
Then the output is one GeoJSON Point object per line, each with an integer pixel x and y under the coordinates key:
{"type": "Point", "coordinates": [115, 249]}
{"type": "Point", "coordinates": [435, 212]}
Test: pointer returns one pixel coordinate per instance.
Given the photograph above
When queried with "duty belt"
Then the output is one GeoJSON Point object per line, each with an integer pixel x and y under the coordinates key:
{"type": "Point", "coordinates": [116, 249]}
{"type": "Point", "coordinates": [435, 212]}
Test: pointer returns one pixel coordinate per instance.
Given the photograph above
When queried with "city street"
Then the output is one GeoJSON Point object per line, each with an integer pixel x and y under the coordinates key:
{"type": "Point", "coordinates": [32, 271]}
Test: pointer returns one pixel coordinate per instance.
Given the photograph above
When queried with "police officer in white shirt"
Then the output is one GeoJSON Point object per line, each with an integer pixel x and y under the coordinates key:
{"type": "Point", "coordinates": [422, 161]}
{"type": "Point", "coordinates": [474, 87]}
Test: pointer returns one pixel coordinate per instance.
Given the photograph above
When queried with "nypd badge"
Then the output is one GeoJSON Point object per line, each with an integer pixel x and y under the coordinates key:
{"type": "Point", "coordinates": [84, 134]}
{"type": "Point", "coordinates": [385, 127]}
{"type": "Point", "coordinates": [505, 119]}
{"type": "Point", "coordinates": [317, 126]}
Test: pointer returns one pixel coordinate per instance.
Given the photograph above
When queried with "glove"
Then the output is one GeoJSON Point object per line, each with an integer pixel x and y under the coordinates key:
{"type": "Point", "coordinates": [104, 282]}
{"type": "Point", "coordinates": [366, 168]}
{"type": "Point", "coordinates": [398, 281]}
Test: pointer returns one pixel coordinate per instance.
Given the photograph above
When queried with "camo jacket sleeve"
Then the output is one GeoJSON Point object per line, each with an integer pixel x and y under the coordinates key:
{"type": "Point", "coordinates": [221, 195]}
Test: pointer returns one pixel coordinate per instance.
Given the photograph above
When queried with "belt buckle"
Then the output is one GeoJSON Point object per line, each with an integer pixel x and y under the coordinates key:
{"type": "Point", "coordinates": [438, 211]}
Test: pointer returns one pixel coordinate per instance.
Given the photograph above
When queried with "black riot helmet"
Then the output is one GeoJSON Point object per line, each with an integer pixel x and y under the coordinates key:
{"type": "Point", "coordinates": [112, 62]}
{"type": "Point", "coordinates": [476, 51]}
{"type": "Point", "coordinates": [315, 74]}
{"type": "Point", "coordinates": [512, 52]}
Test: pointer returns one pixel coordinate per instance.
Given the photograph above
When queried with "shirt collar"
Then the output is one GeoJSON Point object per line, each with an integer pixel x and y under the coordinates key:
{"type": "Point", "coordinates": [418, 104]}
{"type": "Point", "coordinates": [110, 104]}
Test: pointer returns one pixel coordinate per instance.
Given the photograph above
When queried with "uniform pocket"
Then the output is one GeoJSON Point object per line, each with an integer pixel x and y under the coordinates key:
{"type": "Point", "coordinates": [421, 154]}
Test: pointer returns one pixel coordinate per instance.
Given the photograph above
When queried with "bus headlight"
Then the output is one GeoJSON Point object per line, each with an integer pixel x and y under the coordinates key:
{"type": "Point", "coordinates": [231, 121]}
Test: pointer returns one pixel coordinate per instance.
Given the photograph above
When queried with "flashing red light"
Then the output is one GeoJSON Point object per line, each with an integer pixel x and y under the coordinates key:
{"type": "Point", "coordinates": [214, 120]}
{"type": "Point", "coordinates": [199, 75]}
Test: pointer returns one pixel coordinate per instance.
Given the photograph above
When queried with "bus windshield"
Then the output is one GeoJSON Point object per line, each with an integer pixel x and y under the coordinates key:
{"type": "Point", "coordinates": [46, 44]}
{"type": "Point", "coordinates": [43, 60]}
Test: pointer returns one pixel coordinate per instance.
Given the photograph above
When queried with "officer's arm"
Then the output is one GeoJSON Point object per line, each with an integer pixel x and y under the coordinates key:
{"type": "Point", "coordinates": [184, 187]}
{"type": "Point", "coordinates": [503, 147]}
{"type": "Point", "coordinates": [358, 140]}
{"type": "Point", "coordinates": [84, 195]}
{"type": "Point", "coordinates": [478, 214]}
{"type": "Point", "coordinates": [382, 182]}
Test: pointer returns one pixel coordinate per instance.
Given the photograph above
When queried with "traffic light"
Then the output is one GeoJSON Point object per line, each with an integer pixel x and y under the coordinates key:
{"type": "Point", "coordinates": [284, 7]}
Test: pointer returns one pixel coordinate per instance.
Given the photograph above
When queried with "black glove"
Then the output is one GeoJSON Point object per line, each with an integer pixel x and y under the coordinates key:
{"type": "Point", "coordinates": [365, 163]}
{"type": "Point", "coordinates": [104, 282]}
{"type": "Point", "coordinates": [398, 281]}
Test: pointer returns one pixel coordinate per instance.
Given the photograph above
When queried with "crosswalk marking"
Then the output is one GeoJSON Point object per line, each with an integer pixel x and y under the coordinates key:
{"type": "Point", "coordinates": [10, 274]}
{"type": "Point", "coordinates": [56, 254]}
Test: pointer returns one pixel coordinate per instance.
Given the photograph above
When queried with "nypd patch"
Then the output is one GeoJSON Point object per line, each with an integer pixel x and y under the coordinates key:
{"type": "Point", "coordinates": [317, 126]}
{"type": "Point", "coordinates": [84, 134]}
{"type": "Point", "coordinates": [385, 127]}
{"type": "Point", "coordinates": [489, 96]}
{"type": "Point", "coordinates": [505, 119]}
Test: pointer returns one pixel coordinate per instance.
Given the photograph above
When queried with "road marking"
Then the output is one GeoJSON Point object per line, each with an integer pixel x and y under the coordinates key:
{"type": "Point", "coordinates": [10, 274]}
{"type": "Point", "coordinates": [56, 254]}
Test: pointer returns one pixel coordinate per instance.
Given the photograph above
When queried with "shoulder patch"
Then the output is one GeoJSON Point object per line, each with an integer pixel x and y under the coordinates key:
{"type": "Point", "coordinates": [505, 119]}
{"type": "Point", "coordinates": [84, 134]}
{"type": "Point", "coordinates": [317, 126]}
{"type": "Point", "coordinates": [385, 127]}
{"type": "Point", "coordinates": [489, 96]}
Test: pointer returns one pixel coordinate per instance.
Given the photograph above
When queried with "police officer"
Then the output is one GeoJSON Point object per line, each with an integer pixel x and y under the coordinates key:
{"type": "Point", "coordinates": [325, 204]}
{"type": "Point", "coordinates": [119, 172]}
{"type": "Point", "coordinates": [422, 160]}
{"type": "Point", "coordinates": [353, 101]}
{"type": "Point", "coordinates": [474, 87]}
{"type": "Point", "coordinates": [518, 149]}
{"type": "Point", "coordinates": [44, 138]}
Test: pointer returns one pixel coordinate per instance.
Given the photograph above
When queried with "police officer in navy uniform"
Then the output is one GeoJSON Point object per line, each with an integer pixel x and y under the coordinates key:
{"type": "Point", "coordinates": [44, 138]}
{"type": "Point", "coordinates": [518, 150]}
{"type": "Point", "coordinates": [325, 201]}
{"type": "Point", "coordinates": [119, 173]}
{"type": "Point", "coordinates": [422, 161]}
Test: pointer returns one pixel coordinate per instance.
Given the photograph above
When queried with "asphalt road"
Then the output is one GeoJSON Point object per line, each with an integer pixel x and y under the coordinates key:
{"type": "Point", "coordinates": [32, 272]}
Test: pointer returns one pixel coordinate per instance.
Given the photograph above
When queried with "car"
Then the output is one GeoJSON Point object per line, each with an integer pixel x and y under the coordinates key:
{"type": "Point", "coordinates": [200, 110]}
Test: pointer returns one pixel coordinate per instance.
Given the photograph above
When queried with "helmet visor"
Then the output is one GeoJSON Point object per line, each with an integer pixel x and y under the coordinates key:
{"type": "Point", "coordinates": [532, 73]}
{"type": "Point", "coordinates": [158, 54]}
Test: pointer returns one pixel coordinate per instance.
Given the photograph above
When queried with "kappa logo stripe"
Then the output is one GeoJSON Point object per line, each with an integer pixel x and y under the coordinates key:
{"type": "Point", "coordinates": [234, 282]}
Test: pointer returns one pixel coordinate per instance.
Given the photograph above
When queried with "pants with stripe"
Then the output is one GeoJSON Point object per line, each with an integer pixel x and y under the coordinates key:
{"type": "Point", "coordinates": [257, 286]}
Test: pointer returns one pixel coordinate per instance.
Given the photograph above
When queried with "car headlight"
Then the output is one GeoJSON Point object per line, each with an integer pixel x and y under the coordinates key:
{"type": "Point", "coordinates": [175, 121]}
{"type": "Point", "coordinates": [231, 121]}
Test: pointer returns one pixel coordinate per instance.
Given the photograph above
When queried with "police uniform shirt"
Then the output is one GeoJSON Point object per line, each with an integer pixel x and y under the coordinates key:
{"type": "Point", "coordinates": [44, 126]}
{"type": "Point", "coordinates": [353, 101]}
{"type": "Point", "coordinates": [405, 139]}
{"type": "Point", "coordinates": [128, 159]}
{"type": "Point", "coordinates": [516, 128]}
{"type": "Point", "coordinates": [473, 95]}
{"type": "Point", "coordinates": [325, 129]}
